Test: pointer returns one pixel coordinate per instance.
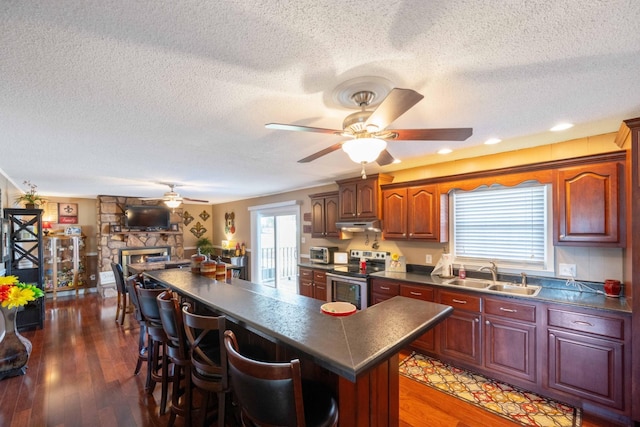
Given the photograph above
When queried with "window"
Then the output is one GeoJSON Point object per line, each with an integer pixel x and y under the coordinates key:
{"type": "Point", "coordinates": [508, 225]}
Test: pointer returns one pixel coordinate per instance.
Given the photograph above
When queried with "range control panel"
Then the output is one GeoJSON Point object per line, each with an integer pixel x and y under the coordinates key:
{"type": "Point", "coordinates": [360, 254]}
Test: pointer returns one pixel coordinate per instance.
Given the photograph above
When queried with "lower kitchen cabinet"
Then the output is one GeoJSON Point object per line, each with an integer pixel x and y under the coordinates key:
{"type": "Point", "coordinates": [313, 283]}
{"type": "Point", "coordinates": [461, 333]}
{"type": "Point", "coordinates": [427, 341]}
{"type": "Point", "coordinates": [510, 343]}
{"type": "Point", "coordinates": [383, 289]}
{"type": "Point", "coordinates": [587, 355]}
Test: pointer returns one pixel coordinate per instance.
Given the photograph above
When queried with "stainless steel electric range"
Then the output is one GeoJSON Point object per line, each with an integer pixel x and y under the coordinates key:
{"type": "Point", "coordinates": [350, 282]}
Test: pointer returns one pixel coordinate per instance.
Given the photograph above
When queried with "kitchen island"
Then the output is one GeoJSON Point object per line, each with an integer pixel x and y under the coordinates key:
{"type": "Point", "coordinates": [360, 350]}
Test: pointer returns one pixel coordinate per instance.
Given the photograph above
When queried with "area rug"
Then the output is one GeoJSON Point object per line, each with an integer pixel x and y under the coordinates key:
{"type": "Point", "coordinates": [502, 399]}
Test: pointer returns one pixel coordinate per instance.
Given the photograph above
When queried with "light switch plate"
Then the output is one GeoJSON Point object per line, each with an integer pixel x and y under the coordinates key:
{"type": "Point", "coordinates": [567, 270]}
{"type": "Point", "coordinates": [428, 259]}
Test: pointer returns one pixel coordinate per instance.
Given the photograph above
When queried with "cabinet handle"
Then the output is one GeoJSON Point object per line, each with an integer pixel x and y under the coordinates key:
{"type": "Point", "coordinates": [384, 288]}
{"type": "Point", "coordinates": [459, 301]}
{"type": "Point", "coordinates": [404, 234]}
{"type": "Point", "coordinates": [580, 322]}
{"type": "Point", "coordinates": [486, 322]}
{"type": "Point", "coordinates": [418, 294]}
{"type": "Point", "coordinates": [410, 234]}
{"type": "Point", "coordinates": [508, 310]}
{"type": "Point", "coordinates": [476, 320]}
{"type": "Point", "coordinates": [562, 236]}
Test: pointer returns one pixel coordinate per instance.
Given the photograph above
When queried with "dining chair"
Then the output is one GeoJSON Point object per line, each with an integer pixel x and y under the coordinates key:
{"type": "Point", "coordinates": [131, 283]}
{"type": "Point", "coordinates": [122, 303]}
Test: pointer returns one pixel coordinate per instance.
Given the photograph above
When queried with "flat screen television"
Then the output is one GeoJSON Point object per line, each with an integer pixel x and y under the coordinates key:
{"type": "Point", "coordinates": [147, 218]}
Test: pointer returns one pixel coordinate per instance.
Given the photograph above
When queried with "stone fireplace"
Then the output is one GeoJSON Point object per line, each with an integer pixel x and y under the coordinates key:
{"type": "Point", "coordinates": [113, 240]}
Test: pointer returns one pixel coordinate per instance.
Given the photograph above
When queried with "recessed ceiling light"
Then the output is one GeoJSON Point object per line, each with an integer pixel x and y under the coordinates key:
{"type": "Point", "coordinates": [561, 126]}
{"type": "Point", "coordinates": [445, 151]}
{"type": "Point", "coordinates": [492, 141]}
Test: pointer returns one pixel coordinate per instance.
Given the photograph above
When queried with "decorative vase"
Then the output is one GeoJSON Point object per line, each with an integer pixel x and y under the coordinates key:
{"type": "Point", "coordinates": [29, 205]}
{"type": "Point", "coordinates": [14, 348]}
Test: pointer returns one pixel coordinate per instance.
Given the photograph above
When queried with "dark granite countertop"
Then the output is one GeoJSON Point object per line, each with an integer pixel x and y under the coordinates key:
{"type": "Point", "coordinates": [316, 266]}
{"type": "Point", "coordinates": [551, 291]}
{"type": "Point", "coordinates": [347, 346]}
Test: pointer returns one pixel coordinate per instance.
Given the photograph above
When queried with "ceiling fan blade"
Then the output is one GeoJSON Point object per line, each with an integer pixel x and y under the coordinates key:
{"type": "Point", "coordinates": [321, 153]}
{"type": "Point", "coordinates": [280, 126]}
{"type": "Point", "coordinates": [445, 134]}
{"type": "Point", "coordinates": [397, 102]}
{"type": "Point", "coordinates": [195, 200]}
{"type": "Point", "coordinates": [385, 158]}
{"type": "Point", "coordinates": [151, 198]}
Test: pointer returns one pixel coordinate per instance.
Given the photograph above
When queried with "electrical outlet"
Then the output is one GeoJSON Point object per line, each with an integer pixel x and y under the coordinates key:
{"type": "Point", "coordinates": [567, 270]}
{"type": "Point", "coordinates": [303, 240]}
{"type": "Point", "coordinates": [428, 259]}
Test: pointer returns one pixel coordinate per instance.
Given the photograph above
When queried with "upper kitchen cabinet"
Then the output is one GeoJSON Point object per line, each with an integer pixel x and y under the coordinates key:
{"type": "Point", "coordinates": [589, 205]}
{"type": "Point", "coordinates": [324, 214]}
{"type": "Point", "coordinates": [414, 213]}
{"type": "Point", "coordinates": [361, 198]}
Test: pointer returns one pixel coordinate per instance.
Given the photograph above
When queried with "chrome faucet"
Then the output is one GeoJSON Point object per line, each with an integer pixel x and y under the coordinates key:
{"type": "Point", "coordinates": [524, 280]}
{"type": "Point", "coordinates": [493, 269]}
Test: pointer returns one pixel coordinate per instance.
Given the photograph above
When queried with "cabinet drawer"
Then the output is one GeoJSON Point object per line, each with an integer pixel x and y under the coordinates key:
{"type": "Point", "coordinates": [417, 292]}
{"type": "Point", "coordinates": [510, 309]}
{"type": "Point", "coordinates": [600, 325]}
{"type": "Point", "coordinates": [385, 287]}
{"type": "Point", "coordinates": [319, 276]}
{"type": "Point", "coordinates": [460, 301]}
{"type": "Point", "coordinates": [306, 273]}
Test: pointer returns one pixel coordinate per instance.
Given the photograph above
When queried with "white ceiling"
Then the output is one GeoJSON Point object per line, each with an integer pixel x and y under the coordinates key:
{"type": "Point", "coordinates": [113, 97]}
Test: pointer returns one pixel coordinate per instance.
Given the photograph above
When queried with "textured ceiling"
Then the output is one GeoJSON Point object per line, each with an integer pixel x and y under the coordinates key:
{"type": "Point", "coordinates": [113, 97]}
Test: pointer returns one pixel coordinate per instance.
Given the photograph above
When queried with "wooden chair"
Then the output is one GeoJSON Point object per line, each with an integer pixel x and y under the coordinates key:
{"type": "Point", "coordinates": [274, 394]}
{"type": "Point", "coordinates": [178, 353]}
{"type": "Point", "coordinates": [158, 362]}
{"type": "Point", "coordinates": [122, 305]}
{"type": "Point", "coordinates": [131, 283]}
{"type": "Point", "coordinates": [208, 359]}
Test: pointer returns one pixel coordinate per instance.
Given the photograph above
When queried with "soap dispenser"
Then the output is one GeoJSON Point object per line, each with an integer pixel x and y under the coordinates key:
{"type": "Point", "coordinates": [462, 273]}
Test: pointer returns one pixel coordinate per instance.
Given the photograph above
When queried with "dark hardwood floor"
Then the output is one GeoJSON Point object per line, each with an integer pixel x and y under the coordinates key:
{"type": "Point", "coordinates": [81, 374]}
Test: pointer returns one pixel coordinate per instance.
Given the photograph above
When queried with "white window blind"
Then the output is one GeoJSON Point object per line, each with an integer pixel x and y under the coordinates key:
{"type": "Point", "coordinates": [505, 224]}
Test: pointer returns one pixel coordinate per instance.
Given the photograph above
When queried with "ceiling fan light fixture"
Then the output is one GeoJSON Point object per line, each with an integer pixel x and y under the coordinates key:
{"type": "Point", "coordinates": [364, 150]}
{"type": "Point", "coordinates": [172, 203]}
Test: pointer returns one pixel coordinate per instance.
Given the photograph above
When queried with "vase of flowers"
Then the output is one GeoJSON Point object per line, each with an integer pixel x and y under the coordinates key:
{"type": "Point", "coordinates": [31, 198]}
{"type": "Point", "coordinates": [14, 348]}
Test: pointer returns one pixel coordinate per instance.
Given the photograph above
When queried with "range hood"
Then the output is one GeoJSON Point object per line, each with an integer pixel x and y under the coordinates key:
{"type": "Point", "coordinates": [360, 226]}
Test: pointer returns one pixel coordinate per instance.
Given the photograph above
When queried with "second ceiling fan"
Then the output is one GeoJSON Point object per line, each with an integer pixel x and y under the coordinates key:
{"type": "Point", "coordinates": [368, 129]}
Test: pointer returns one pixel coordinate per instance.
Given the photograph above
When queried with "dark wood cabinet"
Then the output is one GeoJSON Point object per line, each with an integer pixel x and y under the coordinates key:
{"type": "Point", "coordinates": [313, 283]}
{"type": "Point", "coordinates": [427, 341]}
{"type": "Point", "coordinates": [324, 215]}
{"type": "Point", "coordinates": [589, 205]}
{"type": "Point", "coordinates": [361, 198]}
{"type": "Point", "coordinates": [461, 333]}
{"type": "Point", "coordinates": [413, 213]}
{"type": "Point", "coordinates": [26, 260]}
{"type": "Point", "coordinates": [587, 356]}
{"type": "Point", "coordinates": [383, 289]}
{"type": "Point", "coordinates": [510, 338]}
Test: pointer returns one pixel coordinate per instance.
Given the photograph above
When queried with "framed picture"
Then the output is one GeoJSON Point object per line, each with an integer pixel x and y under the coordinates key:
{"type": "Point", "coordinates": [174, 227]}
{"type": "Point", "coordinates": [67, 213]}
{"type": "Point", "coordinates": [73, 230]}
{"type": "Point", "coordinates": [115, 228]}
{"type": "Point", "coordinates": [5, 240]}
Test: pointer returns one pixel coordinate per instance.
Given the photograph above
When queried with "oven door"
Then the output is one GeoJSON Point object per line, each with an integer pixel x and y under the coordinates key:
{"type": "Point", "coordinates": [347, 289]}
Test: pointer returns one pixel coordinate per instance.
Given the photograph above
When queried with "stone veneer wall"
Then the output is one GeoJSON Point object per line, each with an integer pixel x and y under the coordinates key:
{"type": "Point", "coordinates": [110, 211]}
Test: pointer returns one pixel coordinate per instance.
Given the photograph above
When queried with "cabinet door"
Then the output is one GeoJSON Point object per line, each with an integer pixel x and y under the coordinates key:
{"type": "Point", "coordinates": [348, 206]}
{"type": "Point", "coordinates": [510, 347]}
{"type": "Point", "coordinates": [588, 206]}
{"type": "Point", "coordinates": [586, 366]}
{"type": "Point", "coordinates": [318, 219]}
{"type": "Point", "coordinates": [305, 284]}
{"type": "Point", "coordinates": [394, 208]}
{"type": "Point", "coordinates": [424, 216]}
{"type": "Point", "coordinates": [367, 199]}
{"type": "Point", "coordinates": [331, 216]}
{"type": "Point", "coordinates": [426, 341]}
{"type": "Point", "coordinates": [460, 333]}
{"type": "Point", "coordinates": [320, 285]}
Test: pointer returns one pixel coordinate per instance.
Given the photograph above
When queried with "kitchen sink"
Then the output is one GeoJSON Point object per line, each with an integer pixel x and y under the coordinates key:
{"type": "Point", "coordinates": [469, 283]}
{"type": "Point", "coordinates": [516, 290]}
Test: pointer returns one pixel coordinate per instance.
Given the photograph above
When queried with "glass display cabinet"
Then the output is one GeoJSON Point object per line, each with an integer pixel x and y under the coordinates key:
{"type": "Point", "coordinates": [64, 263]}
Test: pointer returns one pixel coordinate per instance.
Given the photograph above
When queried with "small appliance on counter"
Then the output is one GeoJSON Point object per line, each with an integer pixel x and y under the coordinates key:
{"type": "Point", "coordinates": [321, 254]}
{"type": "Point", "coordinates": [396, 263]}
{"type": "Point", "coordinates": [340, 258]}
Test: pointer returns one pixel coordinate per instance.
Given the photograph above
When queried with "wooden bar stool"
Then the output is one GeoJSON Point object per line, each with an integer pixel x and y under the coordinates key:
{"type": "Point", "coordinates": [178, 352]}
{"type": "Point", "coordinates": [208, 359]}
{"type": "Point", "coordinates": [158, 362]}
{"type": "Point", "coordinates": [131, 283]}
{"type": "Point", "coordinates": [122, 304]}
{"type": "Point", "coordinates": [274, 394]}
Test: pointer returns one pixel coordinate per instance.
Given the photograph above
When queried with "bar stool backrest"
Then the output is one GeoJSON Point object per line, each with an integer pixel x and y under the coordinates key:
{"type": "Point", "coordinates": [131, 283]}
{"type": "Point", "coordinates": [270, 394]}
{"type": "Point", "coordinates": [172, 323]}
{"type": "Point", "coordinates": [149, 305]}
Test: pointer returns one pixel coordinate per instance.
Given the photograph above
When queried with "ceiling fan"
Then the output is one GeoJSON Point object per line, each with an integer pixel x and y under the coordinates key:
{"type": "Point", "coordinates": [368, 129]}
{"type": "Point", "coordinates": [172, 199]}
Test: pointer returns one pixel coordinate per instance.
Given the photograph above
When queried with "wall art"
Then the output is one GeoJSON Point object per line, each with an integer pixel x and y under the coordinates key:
{"type": "Point", "coordinates": [229, 225]}
{"type": "Point", "coordinates": [187, 218]}
{"type": "Point", "coordinates": [67, 213]}
{"type": "Point", "coordinates": [198, 230]}
{"type": "Point", "coordinates": [204, 215]}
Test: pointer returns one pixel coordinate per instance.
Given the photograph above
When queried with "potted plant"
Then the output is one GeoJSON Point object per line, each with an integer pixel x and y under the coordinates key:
{"type": "Point", "coordinates": [31, 198]}
{"type": "Point", "coordinates": [204, 245]}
